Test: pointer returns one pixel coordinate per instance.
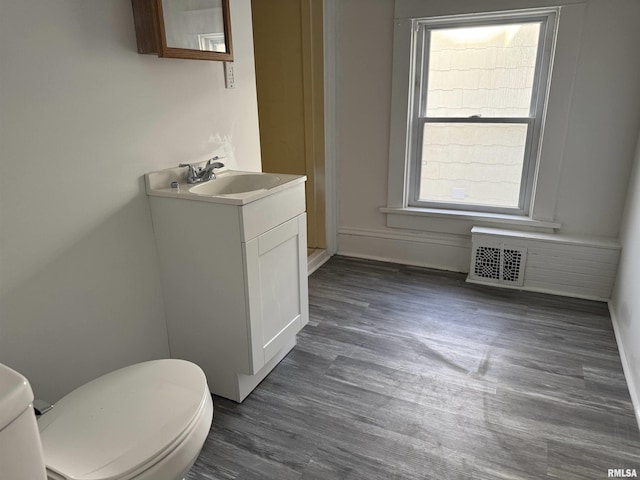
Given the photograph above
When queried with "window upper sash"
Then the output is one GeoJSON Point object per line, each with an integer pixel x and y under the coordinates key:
{"type": "Point", "coordinates": [426, 26]}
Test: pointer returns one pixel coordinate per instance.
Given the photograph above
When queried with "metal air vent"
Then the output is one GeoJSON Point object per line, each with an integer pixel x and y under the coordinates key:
{"type": "Point", "coordinates": [498, 264]}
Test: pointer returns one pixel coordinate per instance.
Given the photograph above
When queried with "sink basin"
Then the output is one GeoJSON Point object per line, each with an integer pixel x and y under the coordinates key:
{"type": "Point", "coordinates": [231, 187]}
{"type": "Point", "coordinates": [237, 183]}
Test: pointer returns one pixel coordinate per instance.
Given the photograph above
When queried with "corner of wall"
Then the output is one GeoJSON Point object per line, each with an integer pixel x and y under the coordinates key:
{"type": "Point", "coordinates": [634, 391]}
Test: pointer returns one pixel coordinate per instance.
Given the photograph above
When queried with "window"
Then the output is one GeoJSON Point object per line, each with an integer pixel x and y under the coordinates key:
{"type": "Point", "coordinates": [476, 113]}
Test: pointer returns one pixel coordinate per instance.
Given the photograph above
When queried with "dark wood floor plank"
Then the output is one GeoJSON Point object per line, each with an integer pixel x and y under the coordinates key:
{"type": "Point", "coordinates": [409, 373]}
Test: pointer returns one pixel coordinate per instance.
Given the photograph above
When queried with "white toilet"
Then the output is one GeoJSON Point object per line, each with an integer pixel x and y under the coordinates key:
{"type": "Point", "coordinates": [143, 422]}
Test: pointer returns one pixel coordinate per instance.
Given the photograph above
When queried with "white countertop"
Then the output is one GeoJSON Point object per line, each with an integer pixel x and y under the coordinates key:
{"type": "Point", "coordinates": [159, 184]}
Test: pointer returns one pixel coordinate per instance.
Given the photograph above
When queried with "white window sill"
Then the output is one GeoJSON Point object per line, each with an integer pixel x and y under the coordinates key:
{"type": "Point", "coordinates": [468, 216]}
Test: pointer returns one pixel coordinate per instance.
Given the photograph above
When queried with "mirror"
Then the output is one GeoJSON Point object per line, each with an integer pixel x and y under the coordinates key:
{"type": "Point", "coordinates": [197, 29]}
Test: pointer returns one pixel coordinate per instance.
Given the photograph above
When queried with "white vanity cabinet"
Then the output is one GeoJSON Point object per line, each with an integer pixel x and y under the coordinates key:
{"type": "Point", "coordinates": [234, 283]}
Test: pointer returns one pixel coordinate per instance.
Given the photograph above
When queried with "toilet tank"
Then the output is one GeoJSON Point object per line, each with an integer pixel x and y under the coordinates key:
{"type": "Point", "coordinates": [20, 449]}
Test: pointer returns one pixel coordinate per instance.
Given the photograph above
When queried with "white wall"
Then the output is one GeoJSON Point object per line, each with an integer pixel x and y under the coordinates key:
{"type": "Point", "coordinates": [83, 117]}
{"type": "Point", "coordinates": [598, 146]}
{"type": "Point", "coordinates": [604, 121]}
{"type": "Point", "coordinates": [363, 102]}
{"type": "Point", "coordinates": [625, 302]}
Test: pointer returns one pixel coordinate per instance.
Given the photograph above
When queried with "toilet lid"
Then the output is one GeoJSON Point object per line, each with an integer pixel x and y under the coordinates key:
{"type": "Point", "coordinates": [122, 421]}
{"type": "Point", "coordinates": [15, 395]}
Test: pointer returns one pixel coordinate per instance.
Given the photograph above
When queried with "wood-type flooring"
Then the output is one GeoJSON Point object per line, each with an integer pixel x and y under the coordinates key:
{"type": "Point", "coordinates": [410, 373]}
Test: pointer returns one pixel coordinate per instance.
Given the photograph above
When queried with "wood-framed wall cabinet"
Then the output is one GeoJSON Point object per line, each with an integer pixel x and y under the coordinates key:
{"type": "Point", "coordinates": [192, 29]}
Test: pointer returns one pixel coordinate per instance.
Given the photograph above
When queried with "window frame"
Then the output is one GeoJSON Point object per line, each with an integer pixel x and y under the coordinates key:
{"type": "Point", "coordinates": [420, 29]}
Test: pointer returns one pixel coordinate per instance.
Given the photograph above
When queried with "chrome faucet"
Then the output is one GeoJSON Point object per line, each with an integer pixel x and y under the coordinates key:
{"type": "Point", "coordinates": [202, 174]}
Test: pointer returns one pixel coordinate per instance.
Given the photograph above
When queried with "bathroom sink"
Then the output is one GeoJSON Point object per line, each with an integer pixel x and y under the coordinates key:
{"type": "Point", "coordinates": [236, 183]}
{"type": "Point", "coordinates": [231, 187]}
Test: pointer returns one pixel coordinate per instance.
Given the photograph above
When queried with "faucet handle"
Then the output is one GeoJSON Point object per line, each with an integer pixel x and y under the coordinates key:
{"type": "Point", "coordinates": [213, 163]}
{"type": "Point", "coordinates": [193, 172]}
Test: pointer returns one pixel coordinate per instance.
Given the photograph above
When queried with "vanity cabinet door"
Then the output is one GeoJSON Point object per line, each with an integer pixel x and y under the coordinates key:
{"type": "Point", "coordinates": [276, 266]}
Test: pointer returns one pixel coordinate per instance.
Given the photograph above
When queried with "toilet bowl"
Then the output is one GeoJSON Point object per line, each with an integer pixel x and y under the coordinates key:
{"type": "Point", "coordinates": [143, 422]}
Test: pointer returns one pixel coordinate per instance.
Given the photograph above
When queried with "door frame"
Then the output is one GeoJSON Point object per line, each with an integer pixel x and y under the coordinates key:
{"type": "Point", "coordinates": [330, 79]}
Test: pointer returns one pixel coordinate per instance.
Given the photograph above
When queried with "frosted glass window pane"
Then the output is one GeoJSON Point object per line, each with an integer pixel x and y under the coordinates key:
{"type": "Point", "coordinates": [470, 163]}
{"type": "Point", "coordinates": [486, 71]}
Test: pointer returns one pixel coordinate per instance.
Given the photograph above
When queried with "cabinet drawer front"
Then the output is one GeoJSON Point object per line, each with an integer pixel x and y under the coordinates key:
{"type": "Point", "coordinates": [277, 236]}
{"type": "Point", "coordinates": [269, 212]}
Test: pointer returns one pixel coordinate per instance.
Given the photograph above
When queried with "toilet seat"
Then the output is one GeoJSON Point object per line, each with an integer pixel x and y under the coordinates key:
{"type": "Point", "coordinates": [125, 422]}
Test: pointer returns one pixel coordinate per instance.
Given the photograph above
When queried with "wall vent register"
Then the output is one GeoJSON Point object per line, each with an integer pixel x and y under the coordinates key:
{"type": "Point", "coordinates": [498, 264]}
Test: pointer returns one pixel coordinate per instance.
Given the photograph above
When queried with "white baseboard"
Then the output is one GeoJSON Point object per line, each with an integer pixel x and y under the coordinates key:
{"type": "Point", "coordinates": [634, 393]}
{"type": "Point", "coordinates": [576, 270]}
{"type": "Point", "coordinates": [425, 249]}
{"type": "Point", "coordinates": [317, 259]}
{"type": "Point", "coordinates": [549, 291]}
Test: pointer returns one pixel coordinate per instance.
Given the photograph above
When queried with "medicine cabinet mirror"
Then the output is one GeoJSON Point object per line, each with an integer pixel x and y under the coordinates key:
{"type": "Point", "coordinates": [195, 29]}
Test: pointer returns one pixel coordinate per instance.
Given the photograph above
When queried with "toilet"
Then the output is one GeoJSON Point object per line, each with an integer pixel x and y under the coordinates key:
{"type": "Point", "coordinates": [143, 422]}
